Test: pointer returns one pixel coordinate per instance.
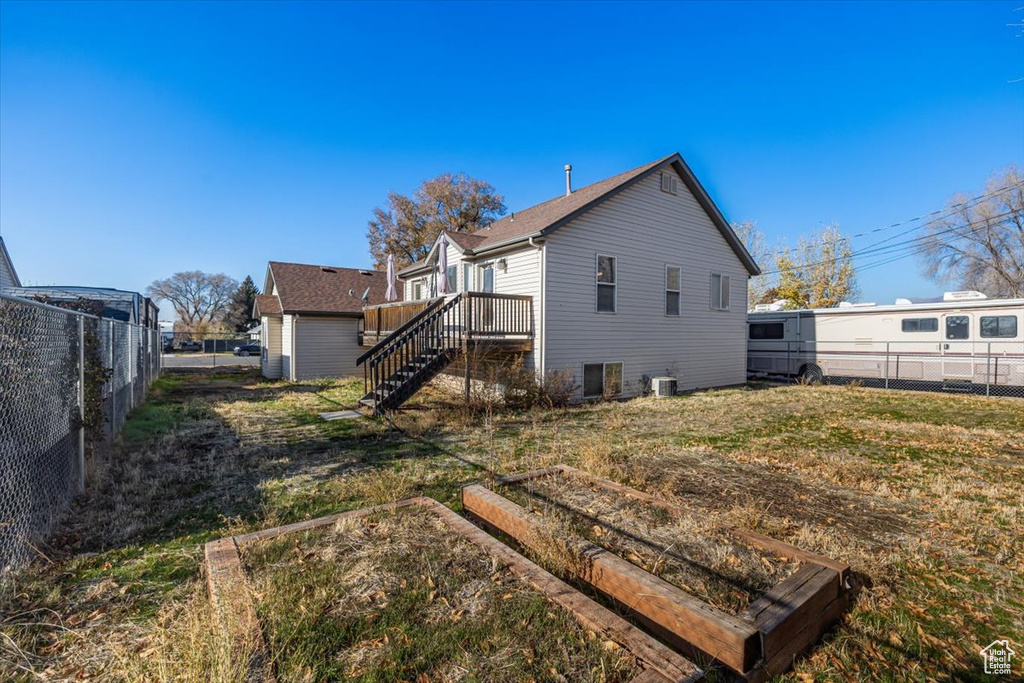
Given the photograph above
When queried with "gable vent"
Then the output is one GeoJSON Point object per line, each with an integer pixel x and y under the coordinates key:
{"type": "Point", "coordinates": [670, 183]}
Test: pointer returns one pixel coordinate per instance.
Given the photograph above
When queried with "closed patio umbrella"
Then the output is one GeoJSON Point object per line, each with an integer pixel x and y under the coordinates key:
{"type": "Point", "coordinates": [442, 266]}
{"type": "Point", "coordinates": [392, 292]}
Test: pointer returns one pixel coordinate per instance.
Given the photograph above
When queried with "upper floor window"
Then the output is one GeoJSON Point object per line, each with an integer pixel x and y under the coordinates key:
{"type": "Point", "coordinates": [606, 284]}
{"type": "Point", "coordinates": [719, 292]}
{"type": "Point", "coordinates": [672, 289]}
{"type": "Point", "coordinates": [417, 290]}
{"type": "Point", "coordinates": [999, 326]}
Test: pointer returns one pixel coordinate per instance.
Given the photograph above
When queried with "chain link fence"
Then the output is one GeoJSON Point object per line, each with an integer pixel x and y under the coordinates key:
{"type": "Point", "coordinates": [67, 382]}
{"type": "Point", "coordinates": [988, 368]}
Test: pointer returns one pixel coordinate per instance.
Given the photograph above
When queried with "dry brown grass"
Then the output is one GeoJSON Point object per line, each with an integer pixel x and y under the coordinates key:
{"type": "Point", "coordinates": [400, 596]}
{"type": "Point", "coordinates": [922, 494]}
{"type": "Point", "coordinates": [695, 553]}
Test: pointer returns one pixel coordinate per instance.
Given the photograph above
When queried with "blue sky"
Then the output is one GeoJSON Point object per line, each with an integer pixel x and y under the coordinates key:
{"type": "Point", "coordinates": [137, 140]}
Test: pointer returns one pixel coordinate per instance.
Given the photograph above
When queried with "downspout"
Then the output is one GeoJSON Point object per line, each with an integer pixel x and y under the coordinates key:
{"type": "Point", "coordinates": [291, 359]}
{"type": "Point", "coordinates": [541, 312]}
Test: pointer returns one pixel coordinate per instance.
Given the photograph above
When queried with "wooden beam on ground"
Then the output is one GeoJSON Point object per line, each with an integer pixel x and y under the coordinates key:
{"type": "Point", "coordinates": [232, 599]}
{"type": "Point", "coordinates": [790, 617]}
{"type": "Point", "coordinates": [244, 648]}
{"type": "Point", "coordinates": [732, 641]}
{"type": "Point", "coordinates": [670, 665]}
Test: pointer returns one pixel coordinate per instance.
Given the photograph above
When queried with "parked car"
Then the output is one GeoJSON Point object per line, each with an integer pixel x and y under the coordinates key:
{"type": "Point", "coordinates": [195, 345]}
{"type": "Point", "coordinates": [248, 350]}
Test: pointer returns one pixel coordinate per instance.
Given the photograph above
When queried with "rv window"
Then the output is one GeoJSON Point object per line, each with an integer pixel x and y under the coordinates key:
{"type": "Point", "coordinates": [920, 324]}
{"type": "Point", "coordinates": [1000, 326]}
{"type": "Point", "coordinates": [767, 330]}
{"type": "Point", "coordinates": [958, 327]}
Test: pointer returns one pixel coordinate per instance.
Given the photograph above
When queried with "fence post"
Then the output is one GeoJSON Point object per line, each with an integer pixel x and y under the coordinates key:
{"type": "Point", "coordinates": [113, 382]}
{"type": "Point", "coordinates": [81, 404]}
{"type": "Point", "coordinates": [988, 370]}
{"type": "Point", "coordinates": [886, 365]}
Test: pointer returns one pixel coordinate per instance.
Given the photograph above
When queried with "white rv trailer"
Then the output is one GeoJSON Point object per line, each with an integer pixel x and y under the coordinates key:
{"type": "Point", "coordinates": [965, 339]}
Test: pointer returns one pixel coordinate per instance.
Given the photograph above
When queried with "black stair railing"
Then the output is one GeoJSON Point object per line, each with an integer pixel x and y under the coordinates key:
{"type": "Point", "coordinates": [396, 367]}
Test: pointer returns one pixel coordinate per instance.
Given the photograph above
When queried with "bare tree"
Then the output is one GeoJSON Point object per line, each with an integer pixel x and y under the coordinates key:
{"type": "Point", "coordinates": [980, 244]}
{"type": "Point", "coordinates": [760, 287]}
{"type": "Point", "coordinates": [818, 273]}
{"type": "Point", "coordinates": [408, 226]}
{"type": "Point", "coordinates": [199, 299]}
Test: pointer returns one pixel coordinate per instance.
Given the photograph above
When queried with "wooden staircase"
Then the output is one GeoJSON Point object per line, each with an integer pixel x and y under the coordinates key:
{"type": "Point", "coordinates": [396, 367]}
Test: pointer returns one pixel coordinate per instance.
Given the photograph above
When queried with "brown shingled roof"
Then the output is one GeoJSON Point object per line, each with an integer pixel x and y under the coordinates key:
{"type": "Point", "coordinates": [546, 217]}
{"type": "Point", "coordinates": [546, 214]}
{"type": "Point", "coordinates": [304, 288]}
{"type": "Point", "coordinates": [267, 304]}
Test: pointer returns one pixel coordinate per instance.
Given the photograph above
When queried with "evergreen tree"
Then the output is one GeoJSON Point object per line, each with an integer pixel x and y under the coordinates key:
{"type": "Point", "coordinates": [239, 317]}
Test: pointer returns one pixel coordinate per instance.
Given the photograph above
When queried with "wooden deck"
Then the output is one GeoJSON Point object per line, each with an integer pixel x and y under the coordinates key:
{"type": "Point", "coordinates": [498, 322]}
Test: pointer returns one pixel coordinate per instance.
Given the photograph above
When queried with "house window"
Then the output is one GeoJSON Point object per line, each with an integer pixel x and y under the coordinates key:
{"type": "Point", "coordinates": [672, 287]}
{"type": "Point", "coordinates": [999, 326]}
{"type": "Point", "coordinates": [417, 290]}
{"type": "Point", "coordinates": [719, 292]}
{"type": "Point", "coordinates": [767, 330]}
{"type": "Point", "coordinates": [958, 327]}
{"type": "Point", "coordinates": [670, 183]}
{"type": "Point", "coordinates": [602, 380]}
{"type": "Point", "coordinates": [467, 277]}
{"type": "Point", "coordinates": [453, 279]}
{"type": "Point", "coordinates": [920, 325]}
{"type": "Point", "coordinates": [606, 286]}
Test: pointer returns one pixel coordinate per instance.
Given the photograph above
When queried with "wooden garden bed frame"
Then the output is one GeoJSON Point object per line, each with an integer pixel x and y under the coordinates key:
{"type": "Point", "coordinates": [760, 642]}
{"type": "Point", "coordinates": [239, 626]}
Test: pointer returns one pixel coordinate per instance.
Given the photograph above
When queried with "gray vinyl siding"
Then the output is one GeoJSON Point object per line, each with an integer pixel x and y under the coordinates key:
{"type": "Point", "coordinates": [270, 340]}
{"type": "Point", "coordinates": [326, 347]}
{"type": "Point", "coordinates": [7, 278]}
{"type": "Point", "coordinates": [286, 346]}
{"type": "Point", "coordinates": [646, 229]}
{"type": "Point", "coordinates": [521, 276]}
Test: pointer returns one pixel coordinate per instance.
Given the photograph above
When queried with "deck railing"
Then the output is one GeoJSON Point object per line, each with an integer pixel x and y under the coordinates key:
{"type": "Point", "coordinates": [478, 315]}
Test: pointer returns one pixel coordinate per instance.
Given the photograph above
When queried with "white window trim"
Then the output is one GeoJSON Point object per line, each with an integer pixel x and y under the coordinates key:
{"type": "Point", "coordinates": [722, 277]}
{"type": "Point", "coordinates": [622, 380]}
{"type": "Point", "coordinates": [614, 285]}
{"type": "Point", "coordinates": [679, 307]}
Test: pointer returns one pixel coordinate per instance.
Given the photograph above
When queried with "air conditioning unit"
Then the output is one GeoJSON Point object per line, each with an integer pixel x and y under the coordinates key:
{"type": "Point", "coordinates": [664, 386]}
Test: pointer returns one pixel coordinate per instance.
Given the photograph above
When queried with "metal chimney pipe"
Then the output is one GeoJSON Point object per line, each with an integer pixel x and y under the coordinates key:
{"type": "Point", "coordinates": [568, 179]}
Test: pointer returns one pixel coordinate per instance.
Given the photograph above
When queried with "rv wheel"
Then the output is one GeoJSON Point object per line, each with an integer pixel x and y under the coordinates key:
{"type": "Point", "coordinates": [811, 374]}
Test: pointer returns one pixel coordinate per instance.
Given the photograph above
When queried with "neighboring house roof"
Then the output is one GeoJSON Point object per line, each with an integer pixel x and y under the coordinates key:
{"type": "Point", "coordinates": [8, 275]}
{"type": "Point", "coordinates": [324, 290]}
{"type": "Point", "coordinates": [118, 304]}
{"type": "Point", "coordinates": [545, 218]}
{"type": "Point", "coordinates": [266, 304]}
